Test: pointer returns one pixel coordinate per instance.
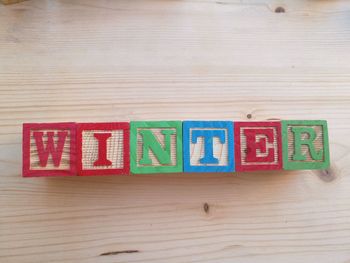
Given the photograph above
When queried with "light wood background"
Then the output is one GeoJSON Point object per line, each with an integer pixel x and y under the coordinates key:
{"type": "Point", "coordinates": [171, 60]}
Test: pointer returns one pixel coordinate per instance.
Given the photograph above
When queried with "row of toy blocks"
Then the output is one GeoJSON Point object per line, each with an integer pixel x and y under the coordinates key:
{"type": "Point", "coordinates": [173, 146]}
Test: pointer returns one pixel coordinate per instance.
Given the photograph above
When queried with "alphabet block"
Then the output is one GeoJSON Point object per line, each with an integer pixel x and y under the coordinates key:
{"type": "Point", "coordinates": [258, 146]}
{"type": "Point", "coordinates": [305, 145]}
{"type": "Point", "coordinates": [208, 146]}
{"type": "Point", "coordinates": [49, 149]}
{"type": "Point", "coordinates": [156, 146]}
{"type": "Point", "coordinates": [103, 148]}
{"type": "Point", "coordinates": [8, 2]}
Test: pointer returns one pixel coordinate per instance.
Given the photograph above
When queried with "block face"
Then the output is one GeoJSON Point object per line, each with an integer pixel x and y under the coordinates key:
{"type": "Point", "coordinates": [258, 146]}
{"type": "Point", "coordinates": [156, 147]}
{"type": "Point", "coordinates": [49, 149]}
{"type": "Point", "coordinates": [305, 144]}
{"type": "Point", "coordinates": [208, 146]}
{"type": "Point", "coordinates": [103, 148]}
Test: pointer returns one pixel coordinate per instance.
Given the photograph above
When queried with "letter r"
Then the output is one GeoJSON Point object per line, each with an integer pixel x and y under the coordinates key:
{"type": "Point", "coordinates": [309, 142]}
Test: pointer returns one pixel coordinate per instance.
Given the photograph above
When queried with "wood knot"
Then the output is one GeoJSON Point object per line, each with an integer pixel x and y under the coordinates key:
{"type": "Point", "coordinates": [280, 9]}
{"type": "Point", "coordinates": [327, 175]}
{"type": "Point", "coordinates": [206, 208]}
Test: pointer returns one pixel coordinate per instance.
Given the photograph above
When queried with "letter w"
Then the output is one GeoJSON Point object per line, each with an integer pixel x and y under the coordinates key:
{"type": "Point", "coordinates": [44, 152]}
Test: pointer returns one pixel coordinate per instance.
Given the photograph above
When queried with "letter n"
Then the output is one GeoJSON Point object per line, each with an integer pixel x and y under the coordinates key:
{"type": "Point", "coordinates": [156, 147]}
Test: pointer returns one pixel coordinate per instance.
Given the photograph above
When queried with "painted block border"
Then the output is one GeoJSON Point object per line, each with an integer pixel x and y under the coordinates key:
{"type": "Point", "coordinates": [187, 125]}
{"type": "Point", "coordinates": [305, 165]}
{"type": "Point", "coordinates": [110, 126]}
{"type": "Point", "coordinates": [242, 168]}
{"type": "Point", "coordinates": [27, 127]}
{"type": "Point", "coordinates": [134, 125]}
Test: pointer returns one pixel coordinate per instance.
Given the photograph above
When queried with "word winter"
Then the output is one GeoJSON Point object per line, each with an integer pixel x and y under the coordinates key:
{"type": "Point", "coordinates": [172, 146]}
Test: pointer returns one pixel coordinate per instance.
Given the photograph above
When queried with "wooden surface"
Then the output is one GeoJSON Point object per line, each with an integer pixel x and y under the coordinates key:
{"type": "Point", "coordinates": [155, 60]}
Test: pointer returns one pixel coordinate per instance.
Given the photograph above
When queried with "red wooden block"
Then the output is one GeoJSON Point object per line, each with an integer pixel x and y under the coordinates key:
{"type": "Point", "coordinates": [49, 149]}
{"type": "Point", "coordinates": [258, 146]}
{"type": "Point", "coordinates": [103, 148]}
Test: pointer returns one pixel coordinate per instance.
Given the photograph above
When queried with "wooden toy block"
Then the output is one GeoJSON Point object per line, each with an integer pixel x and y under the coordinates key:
{"type": "Point", "coordinates": [156, 147]}
{"type": "Point", "coordinates": [49, 149]}
{"type": "Point", "coordinates": [258, 146]}
{"type": "Point", "coordinates": [103, 148]}
{"type": "Point", "coordinates": [208, 146]}
{"type": "Point", "coordinates": [8, 2]}
{"type": "Point", "coordinates": [305, 144]}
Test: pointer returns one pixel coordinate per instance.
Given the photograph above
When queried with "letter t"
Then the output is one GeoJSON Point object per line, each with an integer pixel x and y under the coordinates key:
{"type": "Point", "coordinates": [208, 143]}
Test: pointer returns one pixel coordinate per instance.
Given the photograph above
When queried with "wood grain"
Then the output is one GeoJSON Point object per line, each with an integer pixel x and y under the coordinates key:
{"type": "Point", "coordinates": [90, 61]}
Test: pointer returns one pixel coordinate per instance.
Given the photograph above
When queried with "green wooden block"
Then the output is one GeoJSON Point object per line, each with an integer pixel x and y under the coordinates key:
{"type": "Point", "coordinates": [305, 145]}
{"type": "Point", "coordinates": [155, 147]}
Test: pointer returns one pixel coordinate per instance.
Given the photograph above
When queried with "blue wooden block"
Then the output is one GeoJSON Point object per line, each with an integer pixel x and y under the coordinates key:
{"type": "Point", "coordinates": [208, 146]}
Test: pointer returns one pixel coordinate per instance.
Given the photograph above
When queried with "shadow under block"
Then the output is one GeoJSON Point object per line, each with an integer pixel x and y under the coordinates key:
{"type": "Point", "coordinates": [258, 146]}
{"type": "Point", "coordinates": [208, 146]}
{"type": "Point", "coordinates": [305, 144]}
{"type": "Point", "coordinates": [156, 147]}
{"type": "Point", "coordinates": [103, 148]}
{"type": "Point", "coordinates": [49, 149]}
